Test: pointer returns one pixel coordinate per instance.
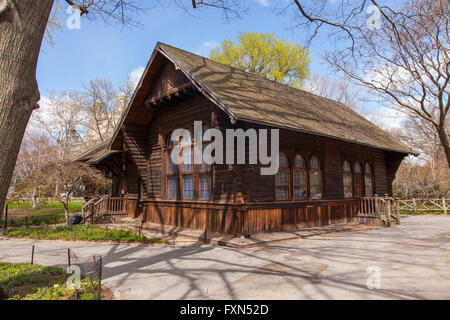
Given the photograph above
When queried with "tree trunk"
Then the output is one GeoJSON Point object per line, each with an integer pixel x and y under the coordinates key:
{"type": "Point", "coordinates": [22, 27]}
{"type": "Point", "coordinates": [66, 210]}
{"type": "Point", "coordinates": [443, 137]}
{"type": "Point", "coordinates": [34, 204]}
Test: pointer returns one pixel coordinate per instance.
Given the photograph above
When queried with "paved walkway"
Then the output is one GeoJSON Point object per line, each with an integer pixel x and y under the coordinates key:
{"type": "Point", "coordinates": [413, 260]}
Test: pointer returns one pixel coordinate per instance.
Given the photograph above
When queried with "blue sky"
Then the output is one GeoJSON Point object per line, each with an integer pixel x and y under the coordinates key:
{"type": "Point", "coordinates": [99, 50]}
{"type": "Point", "coordinates": [110, 52]}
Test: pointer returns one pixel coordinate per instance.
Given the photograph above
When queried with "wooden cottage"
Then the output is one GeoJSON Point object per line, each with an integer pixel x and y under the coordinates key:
{"type": "Point", "coordinates": [330, 157]}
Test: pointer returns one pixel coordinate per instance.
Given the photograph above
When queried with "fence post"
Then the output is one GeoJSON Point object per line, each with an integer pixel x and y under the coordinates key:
{"type": "Point", "coordinates": [68, 256]}
{"type": "Point", "coordinates": [414, 205]}
{"type": "Point", "coordinates": [444, 205]}
{"type": "Point", "coordinates": [32, 254]}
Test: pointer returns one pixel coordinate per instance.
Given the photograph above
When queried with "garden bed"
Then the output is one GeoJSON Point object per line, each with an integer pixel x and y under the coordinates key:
{"type": "Point", "coordinates": [23, 281]}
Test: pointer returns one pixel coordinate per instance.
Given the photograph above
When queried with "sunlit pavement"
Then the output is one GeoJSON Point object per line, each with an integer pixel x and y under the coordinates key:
{"type": "Point", "coordinates": [409, 261]}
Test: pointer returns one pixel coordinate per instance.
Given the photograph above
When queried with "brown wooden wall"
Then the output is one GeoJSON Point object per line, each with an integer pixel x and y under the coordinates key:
{"type": "Point", "coordinates": [249, 218]}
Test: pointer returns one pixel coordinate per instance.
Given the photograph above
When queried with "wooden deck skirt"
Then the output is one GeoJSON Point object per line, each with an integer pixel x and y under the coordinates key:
{"type": "Point", "coordinates": [244, 218]}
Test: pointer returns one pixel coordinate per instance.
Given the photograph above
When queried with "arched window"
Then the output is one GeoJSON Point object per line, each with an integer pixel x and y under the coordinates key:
{"type": "Point", "coordinates": [171, 172]}
{"type": "Point", "coordinates": [368, 181]}
{"type": "Point", "coordinates": [204, 176]}
{"type": "Point", "coordinates": [315, 179]}
{"type": "Point", "coordinates": [347, 179]}
{"type": "Point", "coordinates": [299, 178]}
{"type": "Point", "coordinates": [282, 179]}
{"type": "Point", "coordinates": [357, 180]}
{"type": "Point", "coordinates": [187, 169]}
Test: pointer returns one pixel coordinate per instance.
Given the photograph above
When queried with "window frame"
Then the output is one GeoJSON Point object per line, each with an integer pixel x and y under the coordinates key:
{"type": "Point", "coordinates": [358, 177]}
{"type": "Point", "coordinates": [311, 170]}
{"type": "Point", "coordinates": [304, 171]}
{"type": "Point", "coordinates": [345, 174]}
{"type": "Point", "coordinates": [287, 169]}
{"type": "Point", "coordinates": [175, 174]}
{"type": "Point", "coordinates": [203, 172]}
{"type": "Point", "coordinates": [371, 175]}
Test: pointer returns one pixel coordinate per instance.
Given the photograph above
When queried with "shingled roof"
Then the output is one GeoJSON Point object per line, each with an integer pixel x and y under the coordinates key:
{"type": "Point", "coordinates": [96, 154]}
{"type": "Point", "coordinates": [255, 99]}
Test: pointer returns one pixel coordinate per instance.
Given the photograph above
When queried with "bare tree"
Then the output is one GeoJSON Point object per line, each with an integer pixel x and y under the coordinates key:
{"type": "Point", "coordinates": [398, 51]}
{"type": "Point", "coordinates": [337, 89]}
{"type": "Point", "coordinates": [65, 119]}
{"type": "Point", "coordinates": [429, 175]}
{"type": "Point", "coordinates": [104, 103]}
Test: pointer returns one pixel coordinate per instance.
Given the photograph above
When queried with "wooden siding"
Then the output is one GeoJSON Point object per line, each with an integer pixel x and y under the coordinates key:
{"type": "Point", "coordinates": [248, 218]}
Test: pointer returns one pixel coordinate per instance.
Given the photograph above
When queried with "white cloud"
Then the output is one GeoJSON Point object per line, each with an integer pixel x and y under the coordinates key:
{"type": "Point", "coordinates": [264, 3]}
{"type": "Point", "coordinates": [206, 47]}
{"type": "Point", "coordinates": [136, 75]}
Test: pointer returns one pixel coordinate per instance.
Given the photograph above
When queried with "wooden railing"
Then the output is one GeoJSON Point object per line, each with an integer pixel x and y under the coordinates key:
{"type": "Point", "coordinates": [381, 207]}
{"type": "Point", "coordinates": [98, 207]}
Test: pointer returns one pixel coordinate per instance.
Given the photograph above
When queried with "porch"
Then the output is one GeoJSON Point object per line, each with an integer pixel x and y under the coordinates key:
{"type": "Point", "coordinates": [244, 218]}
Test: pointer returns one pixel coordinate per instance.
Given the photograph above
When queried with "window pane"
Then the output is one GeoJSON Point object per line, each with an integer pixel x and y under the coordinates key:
{"type": "Point", "coordinates": [205, 186]}
{"type": "Point", "coordinates": [171, 187]}
{"type": "Point", "coordinates": [283, 161]}
{"type": "Point", "coordinates": [299, 162]}
{"type": "Point", "coordinates": [315, 178]}
{"type": "Point", "coordinates": [300, 178]}
{"type": "Point", "coordinates": [188, 164]}
{"type": "Point", "coordinates": [348, 190]}
{"type": "Point", "coordinates": [204, 166]}
{"type": "Point", "coordinates": [357, 167]}
{"type": "Point", "coordinates": [368, 168]}
{"type": "Point", "coordinates": [282, 192]}
{"type": "Point", "coordinates": [315, 164]}
{"type": "Point", "coordinates": [346, 166]}
{"type": "Point", "coordinates": [188, 187]}
{"type": "Point", "coordinates": [316, 192]}
{"type": "Point", "coordinates": [368, 185]}
{"type": "Point", "coordinates": [281, 177]}
{"type": "Point", "coordinates": [171, 167]}
{"type": "Point", "coordinates": [299, 192]}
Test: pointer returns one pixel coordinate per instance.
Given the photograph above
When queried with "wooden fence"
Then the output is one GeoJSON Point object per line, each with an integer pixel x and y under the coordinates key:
{"type": "Point", "coordinates": [423, 205]}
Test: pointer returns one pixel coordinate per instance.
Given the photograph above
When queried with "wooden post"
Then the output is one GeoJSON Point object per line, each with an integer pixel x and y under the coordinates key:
{"type": "Point", "coordinates": [95, 266]}
{"type": "Point", "coordinates": [444, 205]}
{"type": "Point", "coordinates": [68, 256]}
{"type": "Point", "coordinates": [414, 205]}
{"type": "Point", "coordinates": [32, 254]}
{"type": "Point", "coordinates": [100, 275]}
{"type": "Point", "coordinates": [107, 233]}
{"type": "Point", "coordinates": [398, 209]}
{"type": "Point", "coordinates": [388, 209]}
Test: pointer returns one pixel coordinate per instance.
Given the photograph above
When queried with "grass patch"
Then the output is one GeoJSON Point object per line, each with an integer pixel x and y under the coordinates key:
{"type": "Point", "coordinates": [38, 220]}
{"type": "Point", "coordinates": [81, 232]}
{"type": "Point", "coordinates": [23, 281]}
{"type": "Point", "coordinates": [46, 207]}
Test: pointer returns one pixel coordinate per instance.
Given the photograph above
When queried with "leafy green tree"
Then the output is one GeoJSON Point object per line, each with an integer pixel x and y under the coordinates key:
{"type": "Point", "coordinates": [267, 56]}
